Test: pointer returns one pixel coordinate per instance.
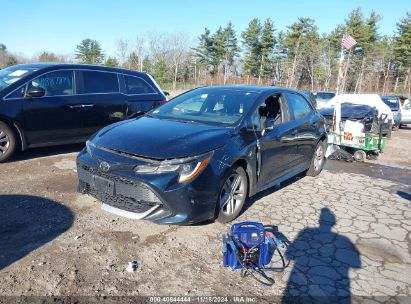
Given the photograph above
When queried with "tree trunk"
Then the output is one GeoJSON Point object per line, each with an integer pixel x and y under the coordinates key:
{"type": "Point", "coordinates": [406, 79]}
{"type": "Point", "coordinates": [396, 84]}
{"type": "Point", "coordinates": [359, 80]}
{"type": "Point", "coordinates": [345, 72]}
{"type": "Point", "coordinates": [261, 69]}
{"type": "Point", "coordinates": [175, 76]}
{"type": "Point", "coordinates": [297, 49]}
{"type": "Point", "coordinates": [386, 76]}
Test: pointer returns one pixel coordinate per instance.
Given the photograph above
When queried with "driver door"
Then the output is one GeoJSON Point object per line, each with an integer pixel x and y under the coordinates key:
{"type": "Point", "coordinates": [55, 117]}
{"type": "Point", "coordinates": [277, 147]}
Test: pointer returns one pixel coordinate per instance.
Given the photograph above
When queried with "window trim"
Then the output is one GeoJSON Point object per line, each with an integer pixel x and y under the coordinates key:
{"type": "Point", "coordinates": [283, 104]}
{"type": "Point", "coordinates": [75, 84]}
{"type": "Point", "coordinates": [31, 79]}
{"type": "Point", "coordinates": [90, 70]}
{"type": "Point", "coordinates": [138, 94]}
{"type": "Point", "coordinates": [312, 111]}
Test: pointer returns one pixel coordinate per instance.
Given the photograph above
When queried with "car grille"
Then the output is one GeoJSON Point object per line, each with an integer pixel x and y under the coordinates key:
{"type": "Point", "coordinates": [128, 195]}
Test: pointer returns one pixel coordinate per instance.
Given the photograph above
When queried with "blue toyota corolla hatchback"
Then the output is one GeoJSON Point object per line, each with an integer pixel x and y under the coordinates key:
{"type": "Point", "coordinates": [200, 155]}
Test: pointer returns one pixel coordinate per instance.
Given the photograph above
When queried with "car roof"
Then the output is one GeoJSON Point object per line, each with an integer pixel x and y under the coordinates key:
{"type": "Point", "coordinates": [250, 88]}
{"type": "Point", "coordinates": [48, 65]}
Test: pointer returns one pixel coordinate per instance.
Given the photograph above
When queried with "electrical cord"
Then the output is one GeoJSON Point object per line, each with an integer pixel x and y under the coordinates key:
{"type": "Point", "coordinates": [258, 273]}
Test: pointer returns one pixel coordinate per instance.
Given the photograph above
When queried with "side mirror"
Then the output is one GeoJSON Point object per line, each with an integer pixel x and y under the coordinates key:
{"type": "Point", "coordinates": [269, 125]}
{"type": "Point", "coordinates": [35, 92]}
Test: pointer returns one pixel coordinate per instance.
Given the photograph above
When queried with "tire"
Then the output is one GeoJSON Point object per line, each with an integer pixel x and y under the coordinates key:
{"type": "Point", "coordinates": [317, 161]}
{"type": "Point", "coordinates": [8, 142]}
{"type": "Point", "coordinates": [360, 156]}
{"type": "Point", "coordinates": [233, 195]}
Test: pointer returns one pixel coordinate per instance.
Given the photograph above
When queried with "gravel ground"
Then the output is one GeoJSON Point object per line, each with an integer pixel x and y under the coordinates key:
{"type": "Point", "coordinates": [348, 232]}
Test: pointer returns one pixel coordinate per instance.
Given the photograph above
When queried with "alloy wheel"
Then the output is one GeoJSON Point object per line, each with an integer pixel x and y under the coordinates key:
{"type": "Point", "coordinates": [233, 194]}
{"type": "Point", "coordinates": [4, 142]}
{"type": "Point", "coordinates": [319, 157]}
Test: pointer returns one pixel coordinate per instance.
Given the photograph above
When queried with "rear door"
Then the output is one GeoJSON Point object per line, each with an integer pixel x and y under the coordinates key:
{"type": "Point", "coordinates": [406, 114]}
{"type": "Point", "coordinates": [101, 99]}
{"type": "Point", "coordinates": [307, 122]}
{"type": "Point", "coordinates": [55, 117]}
{"type": "Point", "coordinates": [141, 95]}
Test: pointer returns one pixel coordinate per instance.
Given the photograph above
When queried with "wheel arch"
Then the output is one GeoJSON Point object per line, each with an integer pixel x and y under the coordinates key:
{"type": "Point", "coordinates": [245, 164]}
{"type": "Point", "coordinates": [22, 144]}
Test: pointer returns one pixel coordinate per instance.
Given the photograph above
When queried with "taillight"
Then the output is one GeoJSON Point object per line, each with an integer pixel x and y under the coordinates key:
{"type": "Point", "coordinates": [164, 101]}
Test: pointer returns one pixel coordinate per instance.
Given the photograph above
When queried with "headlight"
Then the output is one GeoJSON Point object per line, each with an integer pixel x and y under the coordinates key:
{"type": "Point", "coordinates": [188, 168]}
{"type": "Point", "coordinates": [89, 145]}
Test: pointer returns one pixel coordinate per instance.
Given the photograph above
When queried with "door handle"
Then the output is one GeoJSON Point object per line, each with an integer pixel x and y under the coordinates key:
{"type": "Point", "coordinates": [90, 105]}
{"type": "Point", "coordinates": [71, 107]}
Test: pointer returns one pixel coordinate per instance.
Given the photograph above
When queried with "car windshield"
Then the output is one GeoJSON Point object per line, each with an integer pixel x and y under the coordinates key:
{"type": "Point", "coordinates": [392, 102]}
{"type": "Point", "coordinates": [323, 96]}
{"type": "Point", "coordinates": [12, 74]}
{"type": "Point", "coordinates": [208, 105]}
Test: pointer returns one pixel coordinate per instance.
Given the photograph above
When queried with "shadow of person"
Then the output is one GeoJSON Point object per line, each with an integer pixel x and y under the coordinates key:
{"type": "Point", "coordinates": [322, 259]}
{"type": "Point", "coordinates": [28, 222]}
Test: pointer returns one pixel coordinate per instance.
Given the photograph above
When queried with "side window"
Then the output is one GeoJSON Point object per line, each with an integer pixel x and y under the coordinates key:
{"type": "Point", "coordinates": [274, 109]}
{"type": "Point", "coordinates": [298, 105]}
{"type": "Point", "coordinates": [19, 93]}
{"type": "Point", "coordinates": [136, 85]}
{"type": "Point", "coordinates": [99, 82]}
{"type": "Point", "coordinates": [58, 83]}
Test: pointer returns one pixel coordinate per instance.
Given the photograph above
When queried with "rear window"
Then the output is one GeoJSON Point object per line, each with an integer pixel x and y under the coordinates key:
{"type": "Point", "coordinates": [136, 85]}
{"type": "Point", "coordinates": [100, 82]}
{"type": "Point", "coordinates": [392, 102]}
{"type": "Point", "coordinates": [324, 96]}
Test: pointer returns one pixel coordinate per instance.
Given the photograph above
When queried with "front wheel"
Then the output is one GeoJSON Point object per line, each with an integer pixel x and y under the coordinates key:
{"type": "Point", "coordinates": [232, 195]}
{"type": "Point", "coordinates": [318, 160]}
{"type": "Point", "coordinates": [7, 142]}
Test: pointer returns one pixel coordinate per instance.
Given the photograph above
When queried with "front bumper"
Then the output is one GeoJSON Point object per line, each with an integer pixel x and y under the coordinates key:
{"type": "Point", "coordinates": [158, 198]}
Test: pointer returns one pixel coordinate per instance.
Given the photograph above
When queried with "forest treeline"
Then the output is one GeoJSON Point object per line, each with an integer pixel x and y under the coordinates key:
{"type": "Point", "coordinates": [297, 57]}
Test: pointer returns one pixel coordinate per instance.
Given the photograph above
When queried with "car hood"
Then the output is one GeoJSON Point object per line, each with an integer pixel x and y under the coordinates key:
{"type": "Point", "coordinates": [160, 138]}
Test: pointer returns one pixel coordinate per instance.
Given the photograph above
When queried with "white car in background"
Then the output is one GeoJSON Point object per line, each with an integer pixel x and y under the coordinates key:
{"type": "Point", "coordinates": [405, 111]}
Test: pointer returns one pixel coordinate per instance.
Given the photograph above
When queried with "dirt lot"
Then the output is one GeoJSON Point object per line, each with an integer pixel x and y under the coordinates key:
{"type": "Point", "coordinates": [54, 241]}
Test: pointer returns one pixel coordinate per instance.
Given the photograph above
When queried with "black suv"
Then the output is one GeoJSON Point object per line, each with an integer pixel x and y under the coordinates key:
{"type": "Point", "coordinates": [51, 104]}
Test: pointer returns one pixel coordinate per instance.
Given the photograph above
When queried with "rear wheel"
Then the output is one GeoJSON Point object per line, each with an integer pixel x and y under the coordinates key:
{"type": "Point", "coordinates": [318, 160]}
{"type": "Point", "coordinates": [232, 195]}
{"type": "Point", "coordinates": [7, 142]}
{"type": "Point", "coordinates": [360, 156]}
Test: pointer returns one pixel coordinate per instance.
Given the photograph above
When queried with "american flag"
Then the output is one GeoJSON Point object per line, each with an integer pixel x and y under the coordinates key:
{"type": "Point", "coordinates": [348, 42]}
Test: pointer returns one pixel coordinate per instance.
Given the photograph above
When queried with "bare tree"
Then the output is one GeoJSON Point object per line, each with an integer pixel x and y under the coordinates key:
{"type": "Point", "coordinates": [122, 52]}
{"type": "Point", "coordinates": [178, 43]}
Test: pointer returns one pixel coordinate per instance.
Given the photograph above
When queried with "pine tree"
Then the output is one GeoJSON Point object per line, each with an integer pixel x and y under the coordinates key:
{"type": "Point", "coordinates": [111, 62]}
{"type": "Point", "coordinates": [217, 50]}
{"type": "Point", "coordinates": [203, 51]}
{"type": "Point", "coordinates": [266, 47]}
{"type": "Point", "coordinates": [89, 51]}
{"type": "Point", "coordinates": [402, 50]}
{"type": "Point", "coordinates": [251, 41]}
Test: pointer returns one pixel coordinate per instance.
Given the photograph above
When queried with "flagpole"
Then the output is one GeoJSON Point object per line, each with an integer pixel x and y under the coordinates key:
{"type": "Point", "coordinates": [340, 70]}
